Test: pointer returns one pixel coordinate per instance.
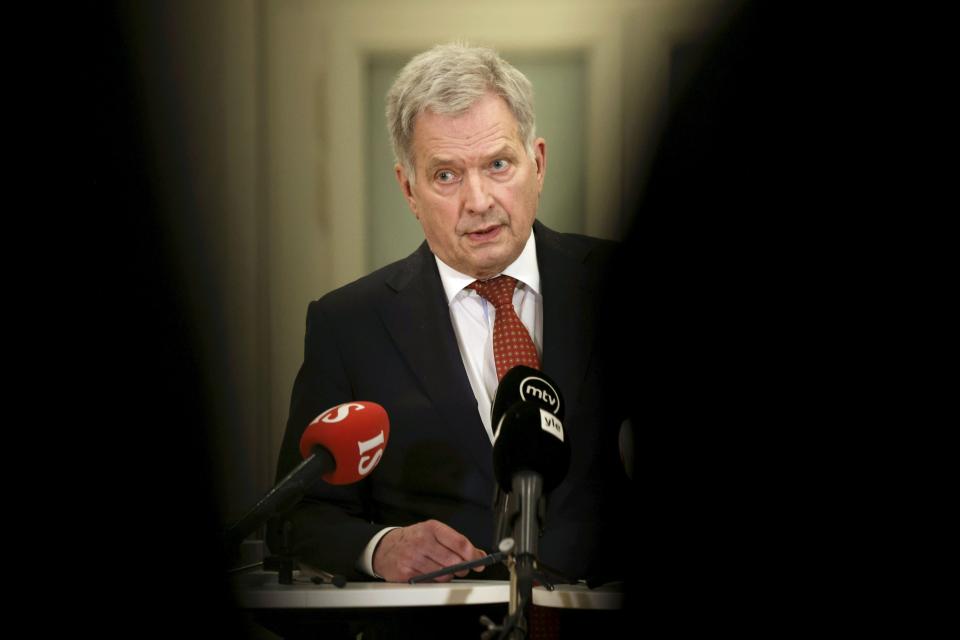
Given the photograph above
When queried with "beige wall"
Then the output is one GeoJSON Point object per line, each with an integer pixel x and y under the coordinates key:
{"type": "Point", "coordinates": [293, 221]}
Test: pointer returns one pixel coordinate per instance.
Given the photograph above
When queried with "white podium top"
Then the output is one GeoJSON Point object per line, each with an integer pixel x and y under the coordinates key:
{"type": "Point", "coordinates": [260, 590]}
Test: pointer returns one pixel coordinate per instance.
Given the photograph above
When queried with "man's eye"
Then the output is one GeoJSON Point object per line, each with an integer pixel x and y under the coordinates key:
{"type": "Point", "coordinates": [445, 176]}
{"type": "Point", "coordinates": [499, 165]}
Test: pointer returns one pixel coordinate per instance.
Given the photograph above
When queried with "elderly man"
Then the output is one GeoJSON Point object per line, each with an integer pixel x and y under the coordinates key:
{"type": "Point", "coordinates": [418, 338]}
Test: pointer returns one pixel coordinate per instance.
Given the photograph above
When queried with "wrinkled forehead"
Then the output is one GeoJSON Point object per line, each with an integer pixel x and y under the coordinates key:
{"type": "Point", "coordinates": [487, 125]}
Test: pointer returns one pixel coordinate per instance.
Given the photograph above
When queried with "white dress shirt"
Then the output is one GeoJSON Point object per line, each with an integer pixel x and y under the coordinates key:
{"type": "Point", "coordinates": [472, 318]}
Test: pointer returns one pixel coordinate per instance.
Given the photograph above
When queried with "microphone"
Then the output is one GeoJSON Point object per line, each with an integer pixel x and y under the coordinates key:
{"type": "Point", "coordinates": [354, 434]}
{"type": "Point", "coordinates": [531, 455]}
{"type": "Point", "coordinates": [530, 438]}
{"type": "Point", "coordinates": [526, 383]}
{"type": "Point", "coordinates": [341, 446]}
{"type": "Point", "coordinates": [519, 383]}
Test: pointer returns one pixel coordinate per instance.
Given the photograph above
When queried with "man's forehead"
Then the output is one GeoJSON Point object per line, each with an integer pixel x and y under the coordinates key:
{"type": "Point", "coordinates": [483, 129]}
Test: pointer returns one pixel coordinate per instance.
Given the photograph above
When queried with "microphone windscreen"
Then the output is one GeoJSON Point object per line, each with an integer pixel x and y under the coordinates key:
{"type": "Point", "coordinates": [530, 438]}
{"type": "Point", "coordinates": [525, 383]}
{"type": "Point", "coordinates": [355, 434]}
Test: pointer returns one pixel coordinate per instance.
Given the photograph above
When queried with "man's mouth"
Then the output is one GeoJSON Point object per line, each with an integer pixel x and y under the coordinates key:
{"type": "Point", "coordinates": [485, 233]}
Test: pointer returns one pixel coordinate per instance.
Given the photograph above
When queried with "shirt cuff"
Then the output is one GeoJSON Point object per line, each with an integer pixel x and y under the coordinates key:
{"type": "Point", "coordinates": [365, 563]}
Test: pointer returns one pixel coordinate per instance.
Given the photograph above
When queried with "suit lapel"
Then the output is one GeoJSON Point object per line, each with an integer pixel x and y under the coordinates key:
{"type": "Point", "coordinates": [417, 317]}
{"type": "Point", "coordinates": [567, 312]}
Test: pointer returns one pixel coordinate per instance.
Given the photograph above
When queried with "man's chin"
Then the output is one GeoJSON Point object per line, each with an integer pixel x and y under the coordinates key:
{"type": "Point", "coordinates": [492, 263]}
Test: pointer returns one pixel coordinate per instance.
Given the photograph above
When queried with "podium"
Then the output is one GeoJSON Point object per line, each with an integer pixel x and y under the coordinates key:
{"type": "Point", "coordinates": [382, 610]}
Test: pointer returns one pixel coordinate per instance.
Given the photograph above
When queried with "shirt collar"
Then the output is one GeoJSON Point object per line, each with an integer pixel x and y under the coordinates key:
{"type": "Point", "coordinates": [524, 269]}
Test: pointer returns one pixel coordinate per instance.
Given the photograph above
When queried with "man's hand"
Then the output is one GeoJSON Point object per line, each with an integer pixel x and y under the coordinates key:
{"type": "Point", "coordinates": [421, 548]}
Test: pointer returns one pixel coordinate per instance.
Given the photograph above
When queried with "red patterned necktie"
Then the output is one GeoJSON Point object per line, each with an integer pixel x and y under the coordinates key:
{"type": "Point", "coordinates": [512, 344]}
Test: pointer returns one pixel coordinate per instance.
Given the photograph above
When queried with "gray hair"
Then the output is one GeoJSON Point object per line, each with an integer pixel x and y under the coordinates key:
{"type": "Point", "coordinates": [448, 79]}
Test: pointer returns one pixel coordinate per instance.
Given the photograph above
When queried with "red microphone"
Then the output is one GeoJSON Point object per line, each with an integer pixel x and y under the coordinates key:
{"type": "Point", "coordinates": [354, 433]}
{"type": "Point", "coordinates": [342, 445]}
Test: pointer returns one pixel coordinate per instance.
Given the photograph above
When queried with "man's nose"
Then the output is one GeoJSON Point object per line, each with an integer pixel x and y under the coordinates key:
{"type": "Point", "coordinates": [476, 194]}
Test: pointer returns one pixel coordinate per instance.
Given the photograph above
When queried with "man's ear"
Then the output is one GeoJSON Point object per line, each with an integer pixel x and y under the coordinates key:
{"type": "Point", "coordinates": [540, 158]}
{"type": "Point", "coordinates": [404, 181]}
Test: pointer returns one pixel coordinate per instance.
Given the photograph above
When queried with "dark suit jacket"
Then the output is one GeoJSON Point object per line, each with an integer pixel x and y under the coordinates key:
{"type": "Point", "coordinates": [388, 338]}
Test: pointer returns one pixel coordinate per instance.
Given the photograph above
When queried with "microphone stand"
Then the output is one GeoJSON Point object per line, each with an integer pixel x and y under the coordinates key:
{"type": "Point", "coordinates": [283, 561]}
{"type": "Point", "coordinates": [274, 509]}
{"type": "Point", "coordinates": [514, 625]}
{"type": "Point", "coordinates": [521, 512]}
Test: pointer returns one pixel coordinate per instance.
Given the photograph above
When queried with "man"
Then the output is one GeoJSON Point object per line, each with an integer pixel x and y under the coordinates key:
{"type": "Point", "coordinates": [417, 337]}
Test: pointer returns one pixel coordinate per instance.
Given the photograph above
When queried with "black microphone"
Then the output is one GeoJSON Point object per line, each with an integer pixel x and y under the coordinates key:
{"type": "Point", "coordinates": [520, 383]}
{"type": "Point", "coordinates": [283, 496]}
{"type": "Point", "coordinates": [526, 383]}
{"type": "Point", "coordinates": [531, 455]}
{"type": "Point", "coordinates": [530, 438]}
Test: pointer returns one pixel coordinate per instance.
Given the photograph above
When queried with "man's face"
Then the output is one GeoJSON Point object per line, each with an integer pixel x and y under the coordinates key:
{"type": "Point", "coordinates": [476, 189]}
